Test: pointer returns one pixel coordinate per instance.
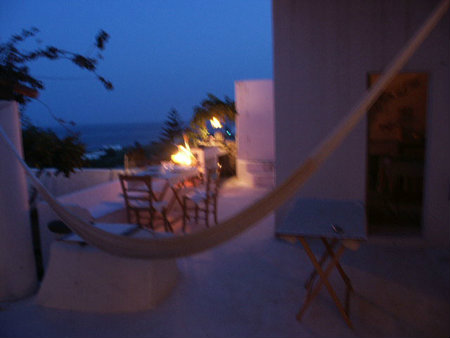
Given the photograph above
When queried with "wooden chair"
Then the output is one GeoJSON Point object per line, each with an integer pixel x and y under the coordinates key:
{"type": "Point", "coordinates": [141, 202]}
{"type": "Point", "coordinates": [203, 199]}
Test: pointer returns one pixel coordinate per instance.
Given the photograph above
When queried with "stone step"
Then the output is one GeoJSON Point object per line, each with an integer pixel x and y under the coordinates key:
{"type": "Point", "coordinates": [263, 181]}
{"type": "Point", "coordinates": [260, 167]}
{"type": "Point", "coordinates": [256, 173]}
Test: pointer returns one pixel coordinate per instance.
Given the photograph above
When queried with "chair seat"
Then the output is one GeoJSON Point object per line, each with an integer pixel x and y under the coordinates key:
{"type": "Point", "coordinates": [142, 193]}
{"type": "Point", "coordinates": [137, 194]}
{"type": "Point", "coordinates": [139, 203]}
{"type": "Point", "coordinates": [198, 196]}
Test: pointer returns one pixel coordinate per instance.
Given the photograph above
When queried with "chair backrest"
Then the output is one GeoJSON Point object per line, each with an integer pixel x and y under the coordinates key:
{"type": "Point", "coordinates": [213, 180]}
{"type": "Point", "coordinates": [137, 188]}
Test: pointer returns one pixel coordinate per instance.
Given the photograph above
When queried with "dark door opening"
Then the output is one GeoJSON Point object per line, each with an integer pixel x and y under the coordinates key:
{"type": "Point", "coordinates": [396, 153]}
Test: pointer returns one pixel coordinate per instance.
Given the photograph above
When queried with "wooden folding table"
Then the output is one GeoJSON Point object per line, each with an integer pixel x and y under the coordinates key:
{"type": "Point", "coordinates": [339, 225]}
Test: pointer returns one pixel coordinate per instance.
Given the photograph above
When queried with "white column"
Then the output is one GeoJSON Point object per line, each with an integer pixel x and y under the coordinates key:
{"type": "Point", "coordinates": [255, 132]}
{"type": "Point", "coordinates": [17, 266]}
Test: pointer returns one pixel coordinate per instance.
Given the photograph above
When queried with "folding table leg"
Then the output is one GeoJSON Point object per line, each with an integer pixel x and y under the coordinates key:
{"type": "Point", "coordinates": [322, 260]}
{"type": "Point", "coordinates": [313, 292]}
{"type": "Point", "coordinates": [345, 278]}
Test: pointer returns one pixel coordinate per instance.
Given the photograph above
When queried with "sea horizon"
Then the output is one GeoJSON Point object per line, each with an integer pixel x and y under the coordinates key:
{"type": "Point", "coordinates": [98, 136]}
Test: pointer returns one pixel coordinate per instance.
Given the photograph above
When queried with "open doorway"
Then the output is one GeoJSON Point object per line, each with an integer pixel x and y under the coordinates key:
{"type": "Point", "coordinates": [396, 154]}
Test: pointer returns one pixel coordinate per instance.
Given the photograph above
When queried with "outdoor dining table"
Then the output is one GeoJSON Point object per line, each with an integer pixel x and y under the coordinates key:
{"type": "Point", "coordinates": [172, 178]}
{"type": "Point", "coordinates": [339, 225]}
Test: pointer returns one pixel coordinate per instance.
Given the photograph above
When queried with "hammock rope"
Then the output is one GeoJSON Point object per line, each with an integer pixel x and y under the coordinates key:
{"type": "Point", "coordinates": [179, 246]}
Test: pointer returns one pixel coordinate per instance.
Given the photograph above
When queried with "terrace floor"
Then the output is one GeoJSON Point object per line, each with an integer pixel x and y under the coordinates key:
{"type": "Point", "coordinates": [252, 286]}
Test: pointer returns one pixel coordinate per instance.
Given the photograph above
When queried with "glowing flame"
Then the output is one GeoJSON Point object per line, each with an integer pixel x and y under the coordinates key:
{"type": "Point", "coordinates": [183, 156]}
{"type": "Point", "coordinates": [215, 123]}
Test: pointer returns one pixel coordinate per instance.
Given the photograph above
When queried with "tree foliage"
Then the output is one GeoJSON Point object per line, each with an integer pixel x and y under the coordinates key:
{"type": "Point", "coordinates": [44, 149]}
{"type": "Point", "coordinates": [112, 158]}
{"type": "Point", "coordinates": [210, 107]}
{"type": "Point", "coordinates": [173, 128]}
{"type": "Point", "coordinates": [14, 69]}
{"type": "Point", "coordinates": [171, 134]}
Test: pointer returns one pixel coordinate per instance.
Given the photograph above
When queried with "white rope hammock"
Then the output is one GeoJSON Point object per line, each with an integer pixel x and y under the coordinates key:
{"type": "Point", "coordinates": [177, 246]}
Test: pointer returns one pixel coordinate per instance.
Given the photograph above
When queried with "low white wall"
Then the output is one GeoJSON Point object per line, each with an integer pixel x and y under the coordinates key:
{"type": "Point", "coordinates": [80, 179]}
{"type": "Point", "coordinates": [101, 201]}
{"type": "Point", "coordinates": [97, 190]}
{"type": "Point", "coordinates": [84, 278]}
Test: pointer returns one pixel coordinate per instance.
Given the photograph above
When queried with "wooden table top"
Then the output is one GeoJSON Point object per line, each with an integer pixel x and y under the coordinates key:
{"type": "Point", "coordinates": [325, 218]}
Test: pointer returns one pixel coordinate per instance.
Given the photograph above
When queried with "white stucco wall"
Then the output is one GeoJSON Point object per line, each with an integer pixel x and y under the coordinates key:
{"type": "Point", "coordinates": [80, 179]}
{"type": "Point", "coordinates": [17, 266]}
{"type": "Point", "coordinates": [255, 120]}
{"type": "Point", "coordinates": [255, 132]}
{"type": "Point", "coordinates": [323, 51]}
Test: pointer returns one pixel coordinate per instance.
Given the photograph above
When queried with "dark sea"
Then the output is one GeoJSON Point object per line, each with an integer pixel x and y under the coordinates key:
{"type": "Point", "coordinates": [98, 136]}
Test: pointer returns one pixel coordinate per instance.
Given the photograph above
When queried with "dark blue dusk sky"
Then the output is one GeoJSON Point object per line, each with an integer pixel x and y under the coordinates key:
{"type": "Point", "coordinates": [162, 54]}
